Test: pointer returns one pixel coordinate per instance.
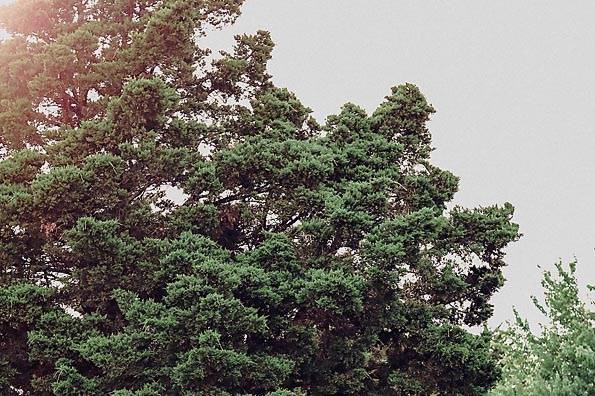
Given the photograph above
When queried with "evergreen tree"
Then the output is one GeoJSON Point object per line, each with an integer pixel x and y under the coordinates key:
{"type": "Point", "coordinates": [298, 258]}
{"type": "Point", "coordinates": [560, 359]}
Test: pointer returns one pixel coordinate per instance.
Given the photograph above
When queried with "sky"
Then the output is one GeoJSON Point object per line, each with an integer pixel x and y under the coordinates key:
{"type": "Point", "coordinates": [513, 86]}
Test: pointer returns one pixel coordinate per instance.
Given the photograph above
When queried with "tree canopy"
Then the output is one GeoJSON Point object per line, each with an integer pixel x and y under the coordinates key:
{"type": "Point", "coordinates": [295, 258]}
{"type": "Point", "coordinates": [560, 359]}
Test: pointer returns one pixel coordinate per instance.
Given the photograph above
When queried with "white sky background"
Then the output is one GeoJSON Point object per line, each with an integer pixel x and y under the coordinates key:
{"type": "Point", "coordinates": [513, 84]}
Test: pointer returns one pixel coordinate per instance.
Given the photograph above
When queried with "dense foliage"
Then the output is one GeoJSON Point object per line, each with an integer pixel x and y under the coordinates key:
{"type": "Point", "coordinates": [296, 258]}
{"type": "Point", "coordinates": [560, 359]}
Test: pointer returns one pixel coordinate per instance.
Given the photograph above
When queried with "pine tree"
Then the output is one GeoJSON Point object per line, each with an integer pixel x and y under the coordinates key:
{"type": "Point", "coordinates": [298, 258]}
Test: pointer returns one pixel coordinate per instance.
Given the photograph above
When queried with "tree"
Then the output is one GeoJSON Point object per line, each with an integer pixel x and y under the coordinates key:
{"type": "Point", "coordinates": [560, 360]}
{"type": "Point", "coordinates": [296, 259]}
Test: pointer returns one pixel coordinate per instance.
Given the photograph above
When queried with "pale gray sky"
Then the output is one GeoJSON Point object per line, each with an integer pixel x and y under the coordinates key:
{"type": "Point", "coordinates": [514, 87]}
{"type": "Point", "coordinates": [513, 83]}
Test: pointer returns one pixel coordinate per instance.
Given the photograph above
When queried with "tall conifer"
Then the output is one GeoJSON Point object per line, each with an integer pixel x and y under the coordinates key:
{"type": "Point", "coordinates": [297, 258]}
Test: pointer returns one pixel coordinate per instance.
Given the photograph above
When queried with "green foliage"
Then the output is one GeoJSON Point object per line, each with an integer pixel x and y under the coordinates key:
{"type": "Point", "coordinates": [560, 360]}
{"type": "Point", "coordinates": [297, 259]}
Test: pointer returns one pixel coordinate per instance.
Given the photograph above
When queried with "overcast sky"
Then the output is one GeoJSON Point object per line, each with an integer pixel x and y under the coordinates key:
{"type": "Point", "coordinates": [513, 83]}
